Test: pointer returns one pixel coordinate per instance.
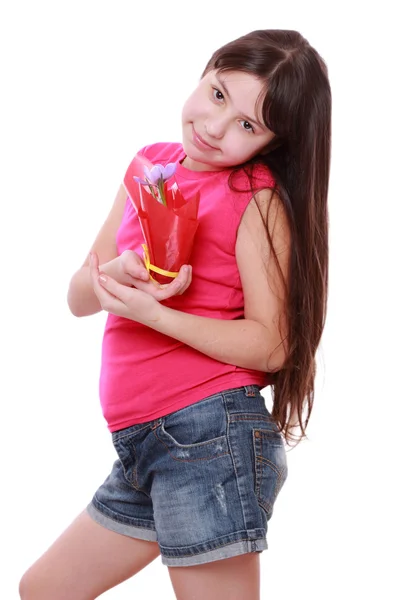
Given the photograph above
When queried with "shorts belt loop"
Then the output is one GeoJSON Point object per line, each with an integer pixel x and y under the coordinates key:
{"type": "Point", "coordinates": [157, 424]}
{"type": "Point", "coordinates": [250, 391]}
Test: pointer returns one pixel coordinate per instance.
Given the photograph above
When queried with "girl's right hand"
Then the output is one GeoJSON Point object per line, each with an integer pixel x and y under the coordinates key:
{"type": "Point", "coordinates": [134, 273]}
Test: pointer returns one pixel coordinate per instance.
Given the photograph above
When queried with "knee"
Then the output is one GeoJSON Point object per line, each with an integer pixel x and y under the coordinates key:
{"type": "Point", "coordinates": [30, 587]}
{"type": "Point", "coordinates": [24, 586]}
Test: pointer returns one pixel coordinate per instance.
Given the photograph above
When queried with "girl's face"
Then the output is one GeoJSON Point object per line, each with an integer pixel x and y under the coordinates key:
{"type": "Point", "coordinates": [221, 121]}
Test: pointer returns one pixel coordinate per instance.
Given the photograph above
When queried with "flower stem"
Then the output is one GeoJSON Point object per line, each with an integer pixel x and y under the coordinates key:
{"type": "Point", "coordinates": [161, 189]}
{"type": "Point", "coordinates": [152, 192]}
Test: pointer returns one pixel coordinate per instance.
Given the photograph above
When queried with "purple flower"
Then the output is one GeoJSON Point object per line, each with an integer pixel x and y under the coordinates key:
{"type": "Point", "coordinates": [155, 179]}
{"type": "Point", "coordinates": [157, 174]}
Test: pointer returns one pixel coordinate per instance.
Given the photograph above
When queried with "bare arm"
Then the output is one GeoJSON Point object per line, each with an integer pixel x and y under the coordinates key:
{"type": "Point", "coordinates": [81, 298]}
{"type": "Point", "coordinates": [243, 343]}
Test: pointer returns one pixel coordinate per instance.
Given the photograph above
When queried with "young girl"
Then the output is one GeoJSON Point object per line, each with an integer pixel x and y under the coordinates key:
{"type": "Point", "coordinates": [200, 458]}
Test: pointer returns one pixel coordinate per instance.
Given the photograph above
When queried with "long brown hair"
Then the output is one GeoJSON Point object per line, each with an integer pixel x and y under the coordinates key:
{"type": "Point", "coordinates": [296, 106]}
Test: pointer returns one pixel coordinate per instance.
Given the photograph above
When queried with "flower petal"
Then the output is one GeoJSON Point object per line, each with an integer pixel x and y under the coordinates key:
{"type": "Point", "coordinates": [146, 172]}
{"type": "Point", "coordinates": [138, 180]}
{"type": "Point", "coordinates": [169, 170]}
{"type": "Point", "coordinates": [155, 174]}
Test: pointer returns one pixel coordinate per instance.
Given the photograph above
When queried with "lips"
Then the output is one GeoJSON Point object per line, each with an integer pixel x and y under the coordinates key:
{"type": "Point", "coordinates": [200, 142]}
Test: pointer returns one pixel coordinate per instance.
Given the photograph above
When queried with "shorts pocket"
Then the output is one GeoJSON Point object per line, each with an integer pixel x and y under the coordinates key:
{"type": "Point", "coordinates": [270, 465]}
{"type": "Point", "coordinates": [196, 432]}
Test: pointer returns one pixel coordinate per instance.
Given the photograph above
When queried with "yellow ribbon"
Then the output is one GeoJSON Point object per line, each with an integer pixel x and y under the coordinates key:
{"type": "Point", "coordinates": [151, 267]}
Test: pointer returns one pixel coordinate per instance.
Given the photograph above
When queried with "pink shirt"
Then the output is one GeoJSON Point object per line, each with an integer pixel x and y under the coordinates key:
{"type": "Point", "coordinates": [146, 374]}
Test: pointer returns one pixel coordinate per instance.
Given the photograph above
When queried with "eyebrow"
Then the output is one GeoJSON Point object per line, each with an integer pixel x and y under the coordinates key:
{"type": "Point", "coordinates": [226, 92]}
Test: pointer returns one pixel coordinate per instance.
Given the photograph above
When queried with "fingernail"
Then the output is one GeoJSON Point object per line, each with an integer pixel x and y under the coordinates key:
{"type": "Point", "coordinates": [102, 278]}
{"type": "Point", "coordinates": [143, 275]}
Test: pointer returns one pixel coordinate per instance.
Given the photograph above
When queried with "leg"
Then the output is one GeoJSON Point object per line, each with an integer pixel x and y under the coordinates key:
{"type": "Point", "coordinates": [236, 578]}
{"type": "Point", "coordinates": [85, 561]}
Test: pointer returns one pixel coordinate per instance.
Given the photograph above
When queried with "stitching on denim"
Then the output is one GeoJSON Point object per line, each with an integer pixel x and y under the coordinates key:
{"type": "Point", "coordinates": [197, 445]}
{"type": "Point", "coordinates": [134, 482]}
{"type": "Point", "coordinates": [233, 462]}
{"type": "Point", "coordinates": [127, 434]}
{"type": "Point", "coordinates": [187, 459]}
{"type": "Point", "coordinates": [269, 463]}
{"type": "Point", "coordinates": [260, 460]}
{"type": "Point", "coordinates": [250, 417]}
{"type": "Point", "coordinates": [123, 468]}
{"type": "Point", "coordinates": [215, 547]}
{"type": "Point", "coordinates": [272, 436]}
{"type": "Point", "coordinates": [233, 459]}
{"type": "Point", "coordinates": [278, 485]}
{"type": "Point", "coordinates": [222, 537]}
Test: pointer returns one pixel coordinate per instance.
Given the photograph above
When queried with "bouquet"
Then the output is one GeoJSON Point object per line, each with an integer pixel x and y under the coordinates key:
{"type": "Point", "coordinates": [168, 220]}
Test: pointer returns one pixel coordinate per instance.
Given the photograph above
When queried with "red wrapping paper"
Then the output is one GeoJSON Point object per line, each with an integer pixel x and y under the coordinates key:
{"type": "Point", "coordinates": [168, 231]}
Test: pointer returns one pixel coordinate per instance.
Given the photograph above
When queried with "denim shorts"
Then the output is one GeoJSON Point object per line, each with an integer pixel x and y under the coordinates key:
{"type": "Point", "coordinates": [201, 481]}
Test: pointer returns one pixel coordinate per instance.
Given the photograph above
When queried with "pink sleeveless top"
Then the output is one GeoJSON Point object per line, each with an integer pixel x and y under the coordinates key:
{"type": "Point", "coordinates": [146, 374]}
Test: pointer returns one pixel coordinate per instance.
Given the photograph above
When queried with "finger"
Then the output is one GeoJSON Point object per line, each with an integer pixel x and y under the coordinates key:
{"type": "Point", "coordinates": [186, 278]}
{"type": "Point", "coordinates": [177, 282]}
{"type": "Point", "coordinates": [119, 291]}
{"type": "Point", "coordinates": [107, 301]}
{"type": "Point", "coordinates": [178, 285]}
{"type": "Point", "coordinates": [139, 270]}
{"type": "Point", "coordinates": [167, 290]}
{"type": "Point", "coordinates": [189, 277]}
{"type": "Point", "coordinates": [105, 287]}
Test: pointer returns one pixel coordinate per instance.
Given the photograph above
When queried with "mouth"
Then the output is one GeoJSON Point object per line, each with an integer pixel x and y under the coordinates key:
{"type": "Point", "coordinates": [200, 142]}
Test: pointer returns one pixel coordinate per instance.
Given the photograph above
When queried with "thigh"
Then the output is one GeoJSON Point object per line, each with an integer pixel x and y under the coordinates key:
{"type": "Point", "coordinates": [85, 561]}
{"type": "Point", "coordinates": [236, 578]}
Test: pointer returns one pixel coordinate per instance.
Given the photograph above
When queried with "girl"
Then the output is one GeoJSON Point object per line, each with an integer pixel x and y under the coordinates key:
{"type": "Point", "coordinates": [200, 458]}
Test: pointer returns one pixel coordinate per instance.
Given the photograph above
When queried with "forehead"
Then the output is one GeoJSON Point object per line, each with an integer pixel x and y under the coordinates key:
{"type": "Point", "coordinates": [240, 81]}
{"type": "Point", "coordinates": [246, 91]}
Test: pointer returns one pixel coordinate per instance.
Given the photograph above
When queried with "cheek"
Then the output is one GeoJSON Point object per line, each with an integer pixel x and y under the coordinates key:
{"type": "Point", "coordinates": [190, 108]}
{"type": "Point", "coordinates": [188, 112]}
{"type": "Point", "coordinates": [196, 106]}
{"type": "Point", "coordinates": [238, 150]}
{"type": "Point", "coordinates": [240, 145]}
{"type": "Point", "coordinates": [185, 111]}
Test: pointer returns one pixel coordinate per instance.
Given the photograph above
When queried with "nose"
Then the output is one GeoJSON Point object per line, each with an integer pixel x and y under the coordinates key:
{"type": "Point", "coordinates": [215, 127]}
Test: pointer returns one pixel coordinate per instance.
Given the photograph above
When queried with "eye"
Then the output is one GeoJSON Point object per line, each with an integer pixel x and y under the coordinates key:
{"type": "Point", "coordinates": [247, 126]}
{"type": "Point", "coordinates": [217, 94]}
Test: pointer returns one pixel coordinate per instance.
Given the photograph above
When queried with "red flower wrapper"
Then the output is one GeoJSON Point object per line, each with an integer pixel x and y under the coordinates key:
{"type": "Point", "coordinates": [167, 219]}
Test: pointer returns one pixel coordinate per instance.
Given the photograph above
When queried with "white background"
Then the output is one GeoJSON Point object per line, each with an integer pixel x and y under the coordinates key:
{"type": "Point", "coordinates": [85, 85]}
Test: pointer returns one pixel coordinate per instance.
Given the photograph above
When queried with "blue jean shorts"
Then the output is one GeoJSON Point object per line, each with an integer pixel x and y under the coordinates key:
{"type": "Point", "coordinates": [201, 481]}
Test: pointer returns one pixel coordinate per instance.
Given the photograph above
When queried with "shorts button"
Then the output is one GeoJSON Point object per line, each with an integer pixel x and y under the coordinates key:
{"type": "Point", "coordinates": [257, 434]}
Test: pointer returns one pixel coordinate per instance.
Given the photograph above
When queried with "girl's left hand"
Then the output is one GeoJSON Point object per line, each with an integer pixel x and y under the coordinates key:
{"type": "Point", "coordinates": [122, 300]}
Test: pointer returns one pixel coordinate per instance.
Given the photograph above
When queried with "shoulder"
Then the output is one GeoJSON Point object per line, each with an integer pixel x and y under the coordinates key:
{"type": "Point", "coordinates": [162, 152]}
{"type": "Point", "coordinates": [253, 177]}
{"type": "Point", "coordinates": [262, 176]}
{"type": "Point", "coordinates": [265, 214]}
